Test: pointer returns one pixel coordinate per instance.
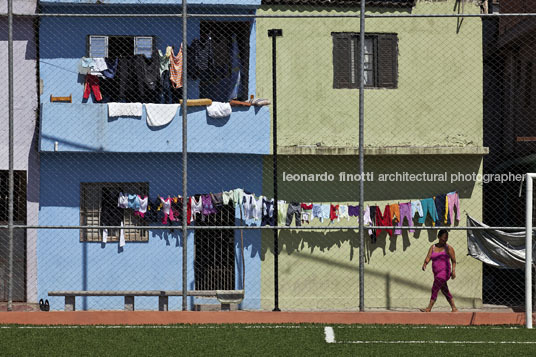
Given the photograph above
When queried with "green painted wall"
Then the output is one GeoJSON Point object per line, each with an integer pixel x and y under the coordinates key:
{"type": "Point", "coordinates": [439, 96]}
{"type": "Point", "coordinates": [438, 102]}
{"type": "Point", "coordinates": [320, 270]}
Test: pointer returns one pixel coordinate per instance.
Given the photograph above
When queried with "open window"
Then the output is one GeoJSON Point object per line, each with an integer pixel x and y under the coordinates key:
{"type": "Point", "coordinates": [220, 60]}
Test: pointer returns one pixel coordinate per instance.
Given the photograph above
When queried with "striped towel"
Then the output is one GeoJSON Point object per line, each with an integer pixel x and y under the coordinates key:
{"type": "Point", "coordinates": [175, 69]}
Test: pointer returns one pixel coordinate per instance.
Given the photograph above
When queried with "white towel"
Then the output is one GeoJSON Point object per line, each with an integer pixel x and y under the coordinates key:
{"type": "Point", "coordinates": [122, 236]}
{"type": "Point", "coordinates": [219, 110]}
{"type": "Point", "coordinates": [99, 65]}
{"type": "Point", "coordinates": [125, 109]}
{"type": "Point", "coordinates": [160, 114]}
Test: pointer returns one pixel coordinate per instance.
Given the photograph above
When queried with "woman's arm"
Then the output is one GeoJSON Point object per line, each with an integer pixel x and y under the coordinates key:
{"type": "Point", "coordinates": [428, 257]}
{"type": "Point", "coordinates": [453, 260]}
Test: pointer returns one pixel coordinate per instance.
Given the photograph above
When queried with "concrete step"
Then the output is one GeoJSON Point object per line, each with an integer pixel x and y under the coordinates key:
{"type": "Point", "coordinates": [20, 306]}
{"type": "Point", "coordinates": [214, 307]}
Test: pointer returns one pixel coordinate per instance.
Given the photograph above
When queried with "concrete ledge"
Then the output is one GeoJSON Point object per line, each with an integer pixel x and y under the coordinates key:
{"type": "Point", "coordinates": [382, 150]}
{"type": "Point", "coordinates": [259, 317]}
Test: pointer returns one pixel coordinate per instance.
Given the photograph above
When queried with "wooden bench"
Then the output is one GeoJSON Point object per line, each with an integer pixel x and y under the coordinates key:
{"type": "Point", "coordinates": [226, 297]}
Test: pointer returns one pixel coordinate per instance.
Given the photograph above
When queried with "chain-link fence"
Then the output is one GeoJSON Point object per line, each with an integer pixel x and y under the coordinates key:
{"type": "Point", "coordinates": [262, 165]}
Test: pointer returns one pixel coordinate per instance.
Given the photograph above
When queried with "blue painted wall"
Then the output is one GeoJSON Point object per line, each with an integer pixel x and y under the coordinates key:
{"type": "Point", "coordinates": [64, 263]}
{"type": "Point", "coordinates": [86, 127]}
{"type": "Point", "coordinates": [63, 41]}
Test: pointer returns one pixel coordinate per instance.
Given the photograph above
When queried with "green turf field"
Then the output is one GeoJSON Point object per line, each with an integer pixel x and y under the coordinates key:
{"type": "Point", "coordinates": [266, 340]}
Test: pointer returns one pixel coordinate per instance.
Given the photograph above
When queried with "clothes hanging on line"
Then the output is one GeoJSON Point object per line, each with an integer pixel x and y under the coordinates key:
{"type": "Point", "coordinates": [125, 109]}
{"type": "Point", "coordinates": [176, 69]}
{"type": "Point", "coordinates": [160, 114]}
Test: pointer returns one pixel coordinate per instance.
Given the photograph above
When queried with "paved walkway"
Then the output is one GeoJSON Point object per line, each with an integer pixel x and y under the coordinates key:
{"type": "Point", "coordinates": [258, 317]}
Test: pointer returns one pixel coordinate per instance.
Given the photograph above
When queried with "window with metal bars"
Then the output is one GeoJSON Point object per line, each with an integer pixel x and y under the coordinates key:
{"type": "Point", "coordinates": [381, 60]}
{"type": "Point", "coordinates": [214, 251]}
{"type": "Point", "coordinates": [98, 207]}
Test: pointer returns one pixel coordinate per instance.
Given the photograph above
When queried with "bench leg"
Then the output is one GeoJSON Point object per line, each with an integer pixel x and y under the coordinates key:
{"type": "Point", "coordinates": [129, 303]}
{"type": "Point", "coordinates": [70, 303]}
{"type": "Point", "coordinates": [162, 303]}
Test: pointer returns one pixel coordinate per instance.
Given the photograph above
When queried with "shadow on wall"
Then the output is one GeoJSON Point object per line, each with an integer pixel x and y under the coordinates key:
{"type": "Point", "coordinates": [387, 277]}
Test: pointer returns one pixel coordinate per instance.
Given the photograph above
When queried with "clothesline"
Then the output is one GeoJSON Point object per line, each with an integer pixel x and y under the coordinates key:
{"type": "Point", "coordinates": [259, 210]}
{"type": "Point", "coordinates": [163, 114]}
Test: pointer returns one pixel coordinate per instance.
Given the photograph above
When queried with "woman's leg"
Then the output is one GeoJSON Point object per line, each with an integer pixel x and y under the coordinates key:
{"type": "Point", "coordinates": [448, 295]}
{"type": "Point", "coordinates": [438, 283]}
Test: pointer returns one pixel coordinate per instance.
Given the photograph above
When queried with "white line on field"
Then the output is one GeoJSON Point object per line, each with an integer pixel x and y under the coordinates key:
{"type": "Point", "coordinates": [430, 327]}
{"type": "Point", "coordinates": [257, 327]}
{"type": "Point", "coordinates": [161, 326]}
{"type": "Point", "coordinates": [443, 342]}
{"type": "Point", "coordinates": [329, 334]}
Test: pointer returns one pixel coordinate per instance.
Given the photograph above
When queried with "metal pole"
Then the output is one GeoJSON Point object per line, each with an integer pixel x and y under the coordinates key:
{"type": "Point", "coordinates": [11, 178]}
{"type": "Point", "coordinates": [528, 254]}
{"type": "Point", "coordinates": [361, 157]}
{"type": "Point", "coordinates": [184, 157]}
{"type": "Point", "coordinates": [274, 33]}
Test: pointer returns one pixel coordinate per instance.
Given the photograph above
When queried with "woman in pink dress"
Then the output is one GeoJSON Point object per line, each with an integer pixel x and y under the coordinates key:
{"type": "Point", "coordinates": [441, 255]}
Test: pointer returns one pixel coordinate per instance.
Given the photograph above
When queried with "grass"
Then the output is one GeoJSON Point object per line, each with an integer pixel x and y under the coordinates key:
{"type": "Point", "coordinates": [259, 340]}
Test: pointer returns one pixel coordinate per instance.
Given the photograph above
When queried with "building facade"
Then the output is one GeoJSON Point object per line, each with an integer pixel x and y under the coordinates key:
{"type": "Point", "coordinates": [90, 156]}
{"type": "Point", "coordinates": [26, 158]}
{"type": "Point", "coordinates": [423, 113]}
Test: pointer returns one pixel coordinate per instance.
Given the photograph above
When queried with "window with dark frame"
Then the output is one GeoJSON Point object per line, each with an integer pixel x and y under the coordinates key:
{"type": "Point", "coordinates": [98, 207]}
{"type": "Point", "coordinates": [119, 46]}
{"type": "Point", "coordinates": [381, 60]}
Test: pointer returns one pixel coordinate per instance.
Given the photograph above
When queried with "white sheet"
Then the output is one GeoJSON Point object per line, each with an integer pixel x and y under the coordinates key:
{"type": "Point", "coordinates": [125, 109]}
{"type": "Point", "coordinates": [160, 114]}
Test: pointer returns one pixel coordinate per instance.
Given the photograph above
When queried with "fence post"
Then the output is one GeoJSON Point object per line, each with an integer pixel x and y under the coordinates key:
{"type": "Point", "coordinates": [274, 33]}
{"type": "Point", "coordinates": [184, 156]}
{"type": "Point", "coordinates": [528, 254]}
{"type": "Point", "coordinates": [361, 157]}
{"type": "Point", "coordinates": [11, 178]}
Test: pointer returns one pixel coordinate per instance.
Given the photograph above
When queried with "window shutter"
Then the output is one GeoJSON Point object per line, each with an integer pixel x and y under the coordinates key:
{"type": "Point", "coordinates": [98, 46]}
{"type": "Point", "coordinates": [90, 212]}
{"type": "Point", "coordinates": [341, 61]}
{"type": "Point", "coordinates": [143, 46]}
{"type": "Point", "coordinates": [387, 61]}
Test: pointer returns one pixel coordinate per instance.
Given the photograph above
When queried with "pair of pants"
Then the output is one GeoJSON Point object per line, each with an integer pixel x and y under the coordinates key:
{"type": "Point", "coordinates": [405, 212]}
{"type": "Point", "coordinates": [440, 283]}
{"type": "Point", "coordinates": [92, 84]}
{"type": "Point", "coordinates": [166, 96]}
{"type": "Point", "coordinates": [268, 216]}
{"type": "Point", "coordinates": [294, 208]}
{"type": "Point", "coordinates": [384, 219]}
{"type": "Point", "coordinates": [395, 212]}
{"type": "Point", "coordinates": [440, 203]}
{"type": "Point", "coordinates": [428, 206]}
{"type": "Point", "coordinates": [453, 200]}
